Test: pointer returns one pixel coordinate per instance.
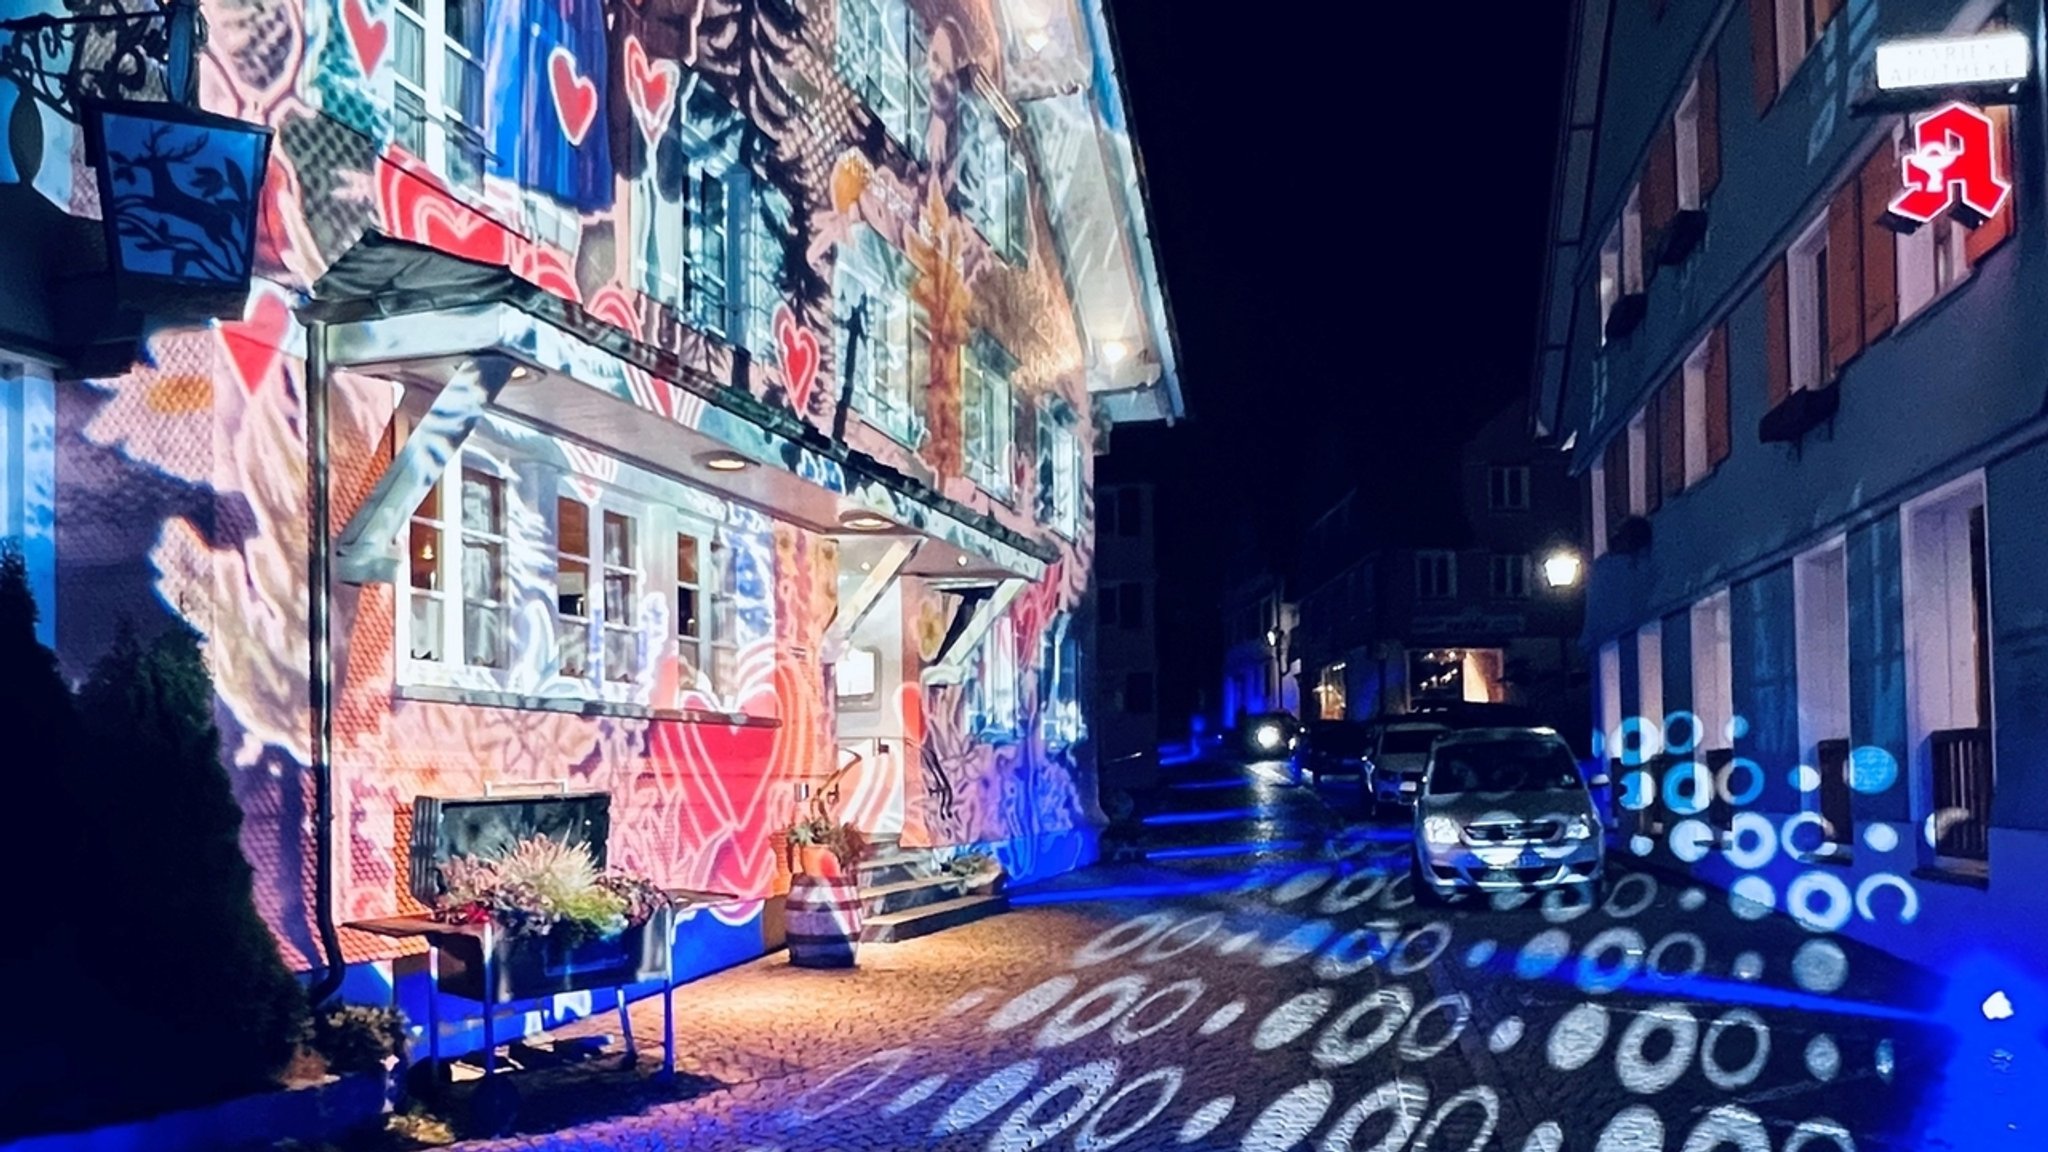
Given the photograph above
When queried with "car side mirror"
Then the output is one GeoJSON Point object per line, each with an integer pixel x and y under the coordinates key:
{"type": "Point", "coordinates": [1410, 787]}
{"type": "Point", "coordinates": [1600, 780]}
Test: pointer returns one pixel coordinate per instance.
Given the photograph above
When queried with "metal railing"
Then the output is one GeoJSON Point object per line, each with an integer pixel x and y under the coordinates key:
{"type": "Point", "coordinates": [1962, 793]}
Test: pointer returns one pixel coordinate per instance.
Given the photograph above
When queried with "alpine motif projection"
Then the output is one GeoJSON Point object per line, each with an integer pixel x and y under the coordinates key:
{"type": "Point", "coordinates": [647, 165]}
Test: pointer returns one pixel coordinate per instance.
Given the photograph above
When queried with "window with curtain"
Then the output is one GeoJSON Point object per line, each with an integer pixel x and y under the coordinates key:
{"type": "Point", "coordinates": [987, 409]}
{"type": "Point", "coordinates": [768, 221]}
{"type": "Point", "coordinates": [880, 53]}
{"type": "Point", "coordinates": [993, 189]}
{"type": "Point", "coordinates": [437, 76]}
{"type": "Point", "coordinates": [889, 363]}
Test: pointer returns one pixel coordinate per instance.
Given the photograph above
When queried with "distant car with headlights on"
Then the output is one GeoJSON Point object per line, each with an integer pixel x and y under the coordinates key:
{"type": "Point", "coordinates": [1505, 809]}
{"type": "Point", "coordinates": [1269, 735]}
{"type": "Point", "coordinates": [1399, 753]}
{"type": "Point", "coordinates": [1335, 748]}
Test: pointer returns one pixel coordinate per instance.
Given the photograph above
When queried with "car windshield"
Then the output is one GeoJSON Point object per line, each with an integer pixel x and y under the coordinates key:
{"type": "Point", "coordinates": [1503, 766]}
{"type": "Point", "coordinates": [1405, 741]}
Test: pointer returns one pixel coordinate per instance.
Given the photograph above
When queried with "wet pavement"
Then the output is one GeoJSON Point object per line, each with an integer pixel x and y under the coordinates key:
{"type": "Point", "coordinates": [1264, 981]}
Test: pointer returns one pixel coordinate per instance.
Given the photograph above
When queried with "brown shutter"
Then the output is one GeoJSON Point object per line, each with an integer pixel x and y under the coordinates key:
{"type": "Point", "coordinates": [1823, 11]}
{"type": "Point", "coordinates": [1994, 231]}
{"type": "Point", "coordinates": [1710, 125]}
{"type": "Point", "coordinates": [1660, 190]}
{"type": "Point", "coordinates": [1653, 468]}
{"type": "Point", "coordinates": [1777, 335]}
{"type": "Point", "coordinates": [1718, 441]}
{"type": "Point", "coordinates": [1672, 433]}
{"type": "Point", "coordinates": [1845, 277]}
{"type": "Point", "coordinates": [1763, 53]}
{"type": "Point", "coordinates": [1617, 478]}
{"type": "Point", "coordinates": [1880, 181]}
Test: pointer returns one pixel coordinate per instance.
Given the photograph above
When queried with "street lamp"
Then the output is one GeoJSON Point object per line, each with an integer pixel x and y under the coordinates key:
{"type": "Point", "coordinates": [1562, 568]}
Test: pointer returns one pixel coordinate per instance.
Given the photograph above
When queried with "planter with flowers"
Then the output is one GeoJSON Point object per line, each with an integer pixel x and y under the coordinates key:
{"type": "Point", "coordinates": [823, 910]}
{"type": "Point", "coordinates": [552, 922]}
{"type": "Point", "coordinates": [979, 873]}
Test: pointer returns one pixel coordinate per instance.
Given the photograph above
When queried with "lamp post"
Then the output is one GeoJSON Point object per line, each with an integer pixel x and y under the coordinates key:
{"type": "Point", "coordinates": [1563, 570]}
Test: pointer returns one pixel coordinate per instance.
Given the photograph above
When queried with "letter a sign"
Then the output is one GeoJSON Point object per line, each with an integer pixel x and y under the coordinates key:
{"type": "Point", "coordinates": [1954, 164]}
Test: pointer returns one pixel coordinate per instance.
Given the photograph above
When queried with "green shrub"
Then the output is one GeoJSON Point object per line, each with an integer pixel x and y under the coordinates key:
{"type": "Point", "coordinates": [355, 1038]}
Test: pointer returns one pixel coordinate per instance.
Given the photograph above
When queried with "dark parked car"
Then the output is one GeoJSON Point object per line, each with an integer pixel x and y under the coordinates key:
{"type": "Point", "coordinates": [1335, 748]}
{"type": "Point", "coordinates": [1268, 735]}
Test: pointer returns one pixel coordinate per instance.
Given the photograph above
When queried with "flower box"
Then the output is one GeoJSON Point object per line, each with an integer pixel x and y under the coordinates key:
{"type": "Point", "coordinates": [531, 967]}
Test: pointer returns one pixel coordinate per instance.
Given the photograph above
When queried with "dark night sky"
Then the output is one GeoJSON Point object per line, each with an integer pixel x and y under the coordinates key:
{"type": "Point", "coordinates": [1350, 211]}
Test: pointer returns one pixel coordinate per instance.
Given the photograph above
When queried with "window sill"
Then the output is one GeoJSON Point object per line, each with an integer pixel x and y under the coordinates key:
{"type": "Point", "coordinates": [575, 706]}
{"type": "Point", "coordinates": [1961, 875]}
{"type": "Point", "coordinates": [1799, 413]}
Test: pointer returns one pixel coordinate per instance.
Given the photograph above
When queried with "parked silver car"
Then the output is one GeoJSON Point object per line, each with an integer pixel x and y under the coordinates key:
{"type": "Point", "coordinates": [1400, 751]}
{"type": "Point", "coordinates": [1505, 809]}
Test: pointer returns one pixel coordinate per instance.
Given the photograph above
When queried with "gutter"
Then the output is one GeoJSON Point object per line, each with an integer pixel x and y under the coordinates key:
{"type": "Point", "coordinates": [320, 673]}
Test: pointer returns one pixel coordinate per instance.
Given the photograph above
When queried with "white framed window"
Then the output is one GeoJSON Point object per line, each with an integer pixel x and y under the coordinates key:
{"type": "Point", "coordinates": [575, 595]}
{"type": "Point", "coordinates": [854, 678]}
{"type": "Point", "coordinates": [1713, 689]}
{"type": "Point", "coordinates": [683, 254]}
{"type": "Point", "coordinates": [993, 187]}
{"type": "Point", "coordinates": [438, 85]}
{"type": "Point", "coordinates": [1436, 575]}
{"type": "Point", "coordinates": [988, 412]}
{"type": "Point", "coordinates": [692, 635]}
{"type": "Point", "coordinates": [1945, 551]}
{"type": "Point", "coordinates": [1609, 719]}
{"type": "Point", "coordinates": [1632, 243]}
{"type": "Point", "coordinates": [1507, 488]}
{"type": "Point", "coordinates": [880, 53]}
{"type": "Point", "coordinates": [1697, 465]}
{"type": "Point", "coordinates": [1820, 621]}
{"type": "Point", "coordinates": [1639, 478]}
{"type": "Point", "coordinates": [725, 623]}
{"type": "Point", "coordinates": [457, 587]}
{"type": "Point", "coordinates": [1610, 277]}
{"type": "Point", "coordinates": [768, 222]}
{"type": "Point", "coordinates": [1796, 34]}
{"type": "Point", "coordinates": [623, 581]}
{"type": "Point", "coordinates": [1806, 304]}
{"type": "Point", "coordinates": [1650, 685]}
{"type": "Point", "coordinates": [1929, 261]}
{"type": "Point", "coordinates": [998, 678]}
{"type": "Point", "coordinates": [1508, 577]}
{"type": "Point", "coordinates": [1061, 469]}
{"type": "Point", "coordinates": [890, 363]}
{"type": "Point", "coordinates": [707, 214]}
{"type": "Point", "coordinates": [1685, 131]}
{"type": "Point", "coordinates": [1597, 480]}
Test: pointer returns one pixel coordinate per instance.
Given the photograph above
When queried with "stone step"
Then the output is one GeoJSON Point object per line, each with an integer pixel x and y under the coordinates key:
{"type": "Point", "coordinates": [895, 866]}
{"type": "Point", "coordinates": [930, 918]}
{"type": "Point", "coordinates": [900, 895]}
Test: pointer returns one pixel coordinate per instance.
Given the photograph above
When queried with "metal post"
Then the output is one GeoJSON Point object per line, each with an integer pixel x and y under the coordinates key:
{"type": "Point", "coordinates": [490, 1001]}
{"type": "Point", "coordinates": [668, 1017]}
{"type": "Point", "coordinates": [181, 73]}
{"type": "Point", "coordinates": [626, 1025]}
{"type": "Point", "coordinates": [434, 1008]}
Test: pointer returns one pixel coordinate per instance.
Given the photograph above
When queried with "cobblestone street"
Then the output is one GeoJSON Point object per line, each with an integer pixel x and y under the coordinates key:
{"type": "Point", "coordinates": [1265, 983]}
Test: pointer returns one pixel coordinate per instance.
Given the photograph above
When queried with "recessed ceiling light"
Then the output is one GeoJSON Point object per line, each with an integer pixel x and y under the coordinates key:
{"type": "Point", "coordinates": [960, 560]}
{"type": "Point", "coordinates": [723, 461]}
{"type": "Point", "coordinates": [1114, 351]}
{"type": "Point", "coordinates": [867, 565]}
{"type": "Point", "coordinates": [519, 372]}
{"type": "Point", "coordinates": [862, 521]}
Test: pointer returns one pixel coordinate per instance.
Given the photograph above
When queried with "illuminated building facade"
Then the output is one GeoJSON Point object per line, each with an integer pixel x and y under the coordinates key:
{"type": "Point", "coordinates": [1793, 343]}
{"type": "Point", "coordinates": [1444, 598]}
{"type": "Point", "coordinates": [689, 400]}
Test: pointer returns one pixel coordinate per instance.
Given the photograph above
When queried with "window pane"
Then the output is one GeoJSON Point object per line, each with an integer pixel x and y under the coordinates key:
{"type": "Point", "coordinates": [483, 635]}
{"type": "Point", "coordinates": [618, 597]}
{"type": "Point", "coordinates": [483, 503]}
{"type": "Point", "coordinates": [426, 627]}
{"type": "Point", "coordinates": [618, 540]}
{"type": "Point", "coordinates": [425, 554]}
{"type": "Point", "coordinates": [572, 647]}
{"type": "Point", "coordinates": [572, 588]}
{"type": "Point", "coordinates": [618, 654]}
{"type": "Point", "coordinates": [483, 571]}
{"type": "Point", "coordinates": [686, 559]}
{"type": "Point", "coordinates": [687, 626]}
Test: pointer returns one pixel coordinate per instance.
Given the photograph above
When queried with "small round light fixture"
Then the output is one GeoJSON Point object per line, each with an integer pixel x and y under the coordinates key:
{"type": "Point", "coordinates": [960, 560]}
{"type": "Point", "coordinates": [724, 461]}
{"type": "Point", "coordinates": [1114, 352]}
{"type": "Point", "coordinates": [1561, 569]}
{"type": "Point", "coordinates": [1036, 40]}
{"type": "Point", "coordinates": [860, 521]}
{"type": "Point", "coordinates": [519, 372]}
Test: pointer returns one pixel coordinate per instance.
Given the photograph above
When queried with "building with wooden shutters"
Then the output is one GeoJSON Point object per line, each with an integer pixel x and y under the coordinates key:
{"type": "Point", "coordinates": [1810, 423]}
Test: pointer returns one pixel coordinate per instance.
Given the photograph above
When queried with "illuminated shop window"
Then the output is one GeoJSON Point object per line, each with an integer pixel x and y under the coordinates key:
{"type": "Point", "coordinates": [621, 590]}
{"type": "Point", "coordinates": [987, 409]}
{"type": "Point", "coordinates": [438, 81]}
{"type": "Point", "coordinates": [1436, 575]}
{"type": "Point", "coordinates": [881, 56]}
{"type": "Point", "coordinates": [994, 188]}
{"type": "Point", "coordinates": [693, 198]}
{"type": "Point", "coordinates": [574, 600]}
{"type": "Point", "coordinates": [1806, 302]}
{"type": "Point", "coordinates": [768, 223]}
{"type": "Point", "coordinates": [890, 362]}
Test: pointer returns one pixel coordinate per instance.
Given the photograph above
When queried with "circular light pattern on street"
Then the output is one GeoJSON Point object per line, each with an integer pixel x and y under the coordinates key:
{"type": "Point", "coordinates": [1819, 901]}
{"type": "Point", "coordinates": [1752, 897]}
{"type": "Point", "coordinates": [985, 1099]}
{"type": "Point", "coordinates": [1238, 943]}
{"type": "Point", "coordinates": [1351, 891]}
{"type": "Point", "coordinates": [1692, 899]}
{"type": "Point", "coordinates": [1024, 1130]}
{"type": "Point", "coordinates": [1285, 1024]}
{"type": "Point", "coordinates": [1819, 1128]}
{"type": "Point", "coordinates": [966, 1003]}
{"type": "Point", "coordinates": [1297, 944]}
{"type": "Point", "coordinates": [1598, 977]}
{"type": "Point", "coordinates": [1622, 909]}
{"type": "Point", "coordinates": [1480, 953]}
{"type": "Point", "coordinates": [1881, 837]}
{"type": "Point", "coordinates": [1760, 1049]}
{"type": "Point", "coordinates": [1340, 1047]}
{"type": "Point", "coordinates": [1074, 1021]}
{"type": "Point", "coordinates": [1543, 953]}
{"type": "Point", "coordinates": [1820, 966]}
{"type": "Point", "coordinates": [1405, 1100]}
{"type": "Point", "coordinates": [1479, 1096]}
{"type": "Point", "coordinates": [1351, 954]}
{"type": "Point", "coordinates": [1206, 1118]}
{"type": "Point", "coordinates": [1823, 1058]}
{"type": "Point", "coordinates": [1577, 1037]}
{"type": "Point", "coordinates": [1126, 937]}
{"type": "Point", "coordinates": [1563, 905]}
{"type": "Point", "coordinates": [1301, 884]}
{"type": "Point", "coordinates": [1753, 842]}
{"type": "Point", "coordinates": [1286, 1122]}
{"type": "Point", "coordinates": [1729, 1126]}
{"type": "Point", "coordinates": [1646, 1077]}
{"type": "Point", "coordinates": [1505, 1035]}
{"type": "Point", "coordinates": [1413, 1049]}
{"type": "Point", "coordinates": [823, 1100]}
{"type": "Point", "coordinates": [1091, 1138]}
{"type": "Point", "coordinates": [1695, 959]}
{"type": "Point", "coordinates": [1182, 937]}
{"type": "Point", "coordinates": [1547, 1137]}
{"type": "Point", "coordinates": [1909, 900]}
{"type": "Point", "coordinates": [1405, 962]}
{"type": "Point", "coordinates": [1749, 966]}
{"type": "Point", "coordinates": [1189, 991]}
{"type": "Point", "coordinates": [916, 1094]}
{"type": "Point", "coordinates": [1222, 1018]}
{"type": "Point", "coordinates": [1028, 1006]}
{"type": "Point", "coordinates": [1636, 1128]}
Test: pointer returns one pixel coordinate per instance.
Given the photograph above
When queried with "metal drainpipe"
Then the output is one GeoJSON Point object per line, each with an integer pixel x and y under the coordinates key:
{"type": "Point", "coordinates": [319, 601]}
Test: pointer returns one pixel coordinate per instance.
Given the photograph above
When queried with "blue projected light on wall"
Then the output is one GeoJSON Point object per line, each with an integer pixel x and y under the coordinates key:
{"type": "Point", "coordinates": [1872, 770]}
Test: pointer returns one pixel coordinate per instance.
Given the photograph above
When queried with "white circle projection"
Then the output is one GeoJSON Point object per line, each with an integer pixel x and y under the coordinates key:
{"type": "Point", "coordinates": [1754, 841]}
{"type": "Point", "coordinates": [1127, 1032]}
{"type": "Point", "coordinates": [986, 1098]}
{"type": "Point", "coordinates": [1752, 897]}
{"type": "Point", "coordinates": [1414, 1049]}
{"type": "Point", "coordinates": [1660, 964]}
{"type": "Point", "coordinates": [1823, 1058]}
{"type": "Point", "coordinates": [1820, 1128]}
{"type": "Point", "coordinates": [1406, 1101]}
{"type": "Point", "coordinates": [1026, 1129]}
{"type": "Point", "coordinates": [1404, 962]}
{"type": "Point", "coordinates": [1091, 1138]}
{"type": "Point", "coordinates": [1301, 884]}
{"type": "Point", "coordinates": [1239, 942]}
{"type": "Point", "coordinates": [1729, 1126]}
{"type": "Point", "coordinates": [1819, 902]}
{"type": "Point", "coordinates": [966, 1003]}
{"type": "Point", "coordinates": [1596, 975]}
{"type": "Point", "coordinates": [1505, 1035]}
{"type": "Point", "coordinates": [1480, 953]}
{"type": "Point", "coordinates": [1351, 954]}
{"type": "Point", "coordinates": [1547, 1137]}
{"type": "Point", "coordinates": [916, 1094]}
{"type": "Point", "coordinates": [1206, 1119]}
{"type": "Point", "coordinates": [1543, 953]}
{"type": "Point", "coordinates": [830, 1097]}
{"type": "Point", "coordinates": [1577, 1037]}
{"type": "Point", "coordinates": [1692, 899]}
{"type": "Point", "coordinates": [1691, 840]}
{"type": "Point", "coordinates": [1340, 1046]}
{"type": "Point", "coordinates": [1222, 1018]}
{"type": "Point", "coordinates": [1641, 845]}
{"type": "Point", "coordinates": [1636, 1128]}
{"type": "Point", "coordinates": [1720, 1074]}
{"type": "Point", "coordinates": [1881, 837]}
{"type": "Point", "coordinates": [1622, 908]}
{"type": "Point", "coordinates": [1286, 1122]}
{"type": "Point", "coordinates": [1646, 1077]}
{"type": "Point", "coordinates": [1480, 1097]}
{"type": "Point", "coordinates": [1075, 1020]}
{"type": "Point", "coordinates": [1123, 938]}
{"type": "Point", "coordinates": [1029, 1006]}
{"type": "Point", "coordinates": [1285, 1024]}
{"type": "Point", "coordinates": [1749, 966]}
{"type": "Point", "coordinates": [1351, 891]}
{"type": "Point", "coordinates": [1298, 943]}
{"type": "Point", "coordinates": [1820, 966]}
{"type": "Point", "coordinates": [1182, 937]}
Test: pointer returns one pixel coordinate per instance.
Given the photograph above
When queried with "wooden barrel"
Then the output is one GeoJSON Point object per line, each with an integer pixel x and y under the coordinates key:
{"type": "Point", "coordinates": [823, 922]}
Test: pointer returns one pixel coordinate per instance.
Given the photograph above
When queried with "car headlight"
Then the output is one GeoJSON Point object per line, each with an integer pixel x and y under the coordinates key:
{"type": "Point", "coordinates": [1441, 830]}
{"type": "Point", "coordinates": [1267, 737]}
{"type": "Point", "coordinates": [1578, 828]}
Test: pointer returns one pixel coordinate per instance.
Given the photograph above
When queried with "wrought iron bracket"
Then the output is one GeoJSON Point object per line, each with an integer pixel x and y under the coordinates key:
{"type": "Point", "coordinates": [103, 50]}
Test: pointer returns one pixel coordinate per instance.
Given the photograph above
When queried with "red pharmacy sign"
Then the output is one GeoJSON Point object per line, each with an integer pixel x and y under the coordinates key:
{"type": "Point", "coordinates": [1955, 163]}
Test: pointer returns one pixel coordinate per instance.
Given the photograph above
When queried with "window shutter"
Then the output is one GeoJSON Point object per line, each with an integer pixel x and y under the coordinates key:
{"type": "Point", "coordinates": [1777, 334]}
{"type": "Point", "coordinates": [1653, 451]}
{"type": "Point", "coordinates": [1710, 125]}
{"type": "Point", "coordinates": [1993, 232]}
{"type": "Point", "coordinates": [1880, 245]}
{"type": "Point", "coordinates": [1672, 433]}
{"type": "Point", "coordinates": [1718, 440]}
{"type": "Point", "coordinates": [1660, 190]}
{"type": "Point", "coordinates": [1845, 276]}
{"type": "Point", "coordinates": [1617, 478]}
{"type": "Point", "coordinates": [1763, 52]}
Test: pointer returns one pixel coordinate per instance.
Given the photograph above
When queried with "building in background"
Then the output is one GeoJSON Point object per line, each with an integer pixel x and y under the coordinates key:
{"type": "Point", "coordinates": [691, 403]}
{"type": "Point", "coordinates": [1126, 681]}
{"type": "Point", "coordinates": [1448, 601]}
{"type": "Point", "coordinates": [1793, 340]}
{"type": "Point", "coordinates": [1259, 668]}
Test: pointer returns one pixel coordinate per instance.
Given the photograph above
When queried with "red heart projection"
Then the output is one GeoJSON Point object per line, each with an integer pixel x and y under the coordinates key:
{"type": "Point", "coordinates": [575, 96]}
{"type": "Point", "coordinates": [799, 348]}
{"type": "Point", "coordinates": [254, 346]}
{"type": "Point", "coordinates": [368, 34]}
{"type": "Point", "coordinates": [651, 86]}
